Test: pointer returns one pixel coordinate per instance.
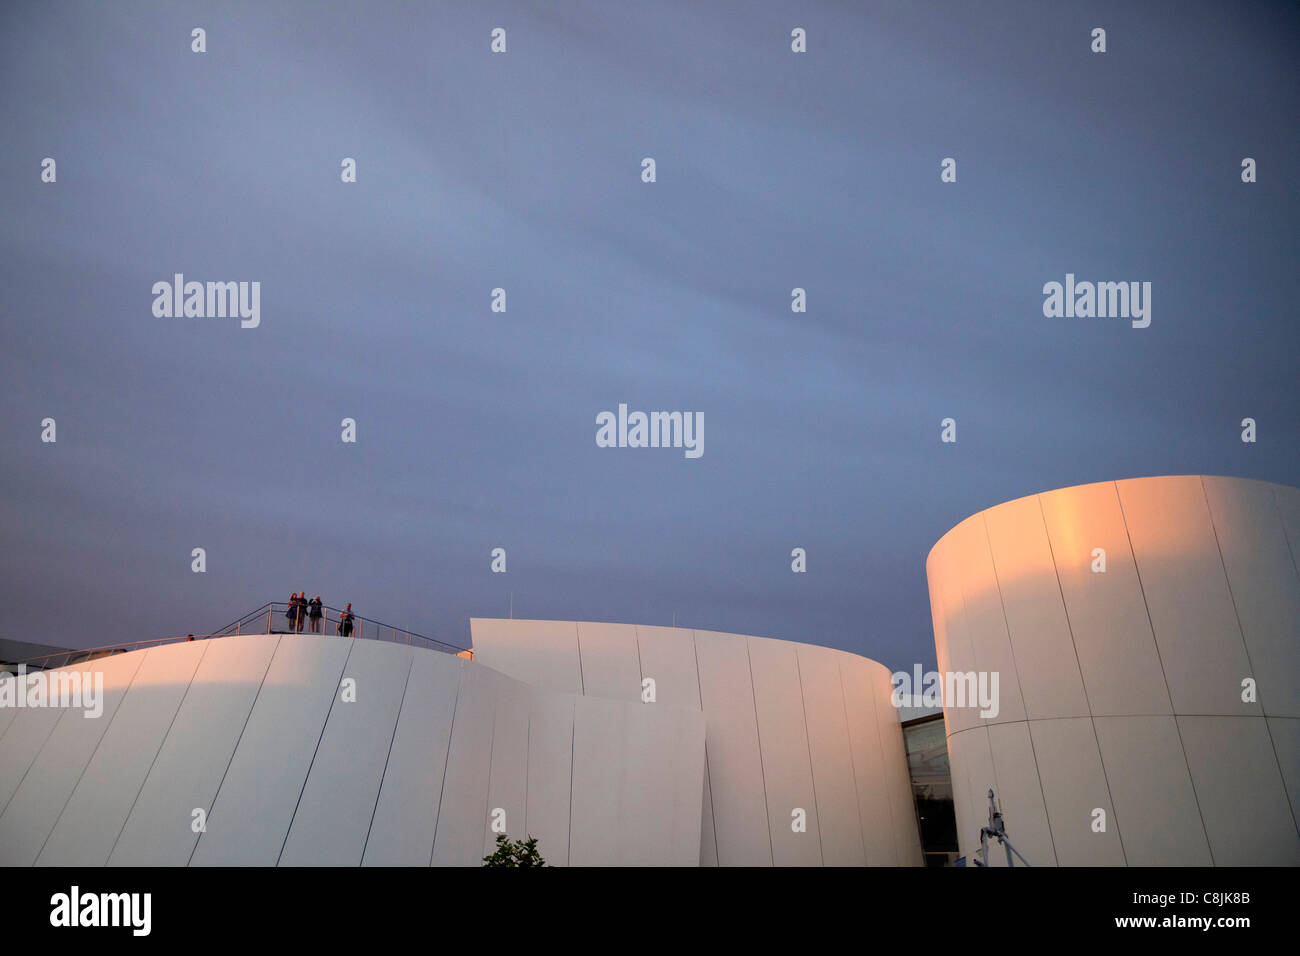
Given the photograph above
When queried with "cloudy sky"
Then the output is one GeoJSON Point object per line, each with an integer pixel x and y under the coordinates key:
{"type": "Point", "coordinates": [476, 170]}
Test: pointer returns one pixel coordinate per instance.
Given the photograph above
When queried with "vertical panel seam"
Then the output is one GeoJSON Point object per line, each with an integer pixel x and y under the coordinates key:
{"type": "Point", "coordinates": [1065, 608]}
{"type": "Point", "coordinates": [1218, 548]}
{"type": "Point", "coordinates": [1002, 606]}
{"type": "Point", "coordinates": [1156, 640]}
{"type": "Point", "coordinates": [807, 742]}
{"type": "Point", "coordinates": [334, 696]}
{"type": "Point", "coordinates": [884, 770]}
{"type": "Point", "coordinates": [970, 641]}
{"type": "Point", "coordinates": [161, 743]}
{"type": "Point", "coordinates": [446, 761]}
{"type": "Point", "coordinates": [1006, 626]}
{"type": "Point", "coordinates": [1263, 712]}
{"type": "Point", "coordinates": [853, 765]}
{"type": "Point", "coordinates": [1087, 701]}
{"type": "Point", "coordinates": [487, 795]}
{"type": "Point", "coordinates": [582, 678]}
{"type": "Point", "coordinates": [699, 689]}
{"type": "Point", "coordinates": [758, 735]}
{"type": "Point", "coordinates": [1285, 534]}
{"type": "Point", "coordinates": [94, 750]}
{"type": "Point", "coordinates": [35, 756]}
{"type": "Point", "coordinates": [397, 719]}
{"type": "Point", "coordinates": [212, 805]}
{"type": "Point", "coordinates": [1281, 520]}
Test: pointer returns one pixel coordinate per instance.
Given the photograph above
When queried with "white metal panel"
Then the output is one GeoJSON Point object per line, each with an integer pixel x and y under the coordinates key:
{"type": "Point", "coordinates": [907, 837]}
{"type": "Point", "coordinates": [1074, 785]}
{"type": "Point", "coordinates": [26, 735]}
{"type": "Point", "coordinates": [979, 776]}
{"type": "Point", "coordinates": [550, 773]}
{"type": "Point", "coordinates": [985, 622]}
{"type": "Point", "coordinates": [541, 653]}
{"type": "Point", "coordinates": [832, 758]}
{"type": "Point", "coordinates": [1246, 825]}
{"type": "Point", "coordinates": [687, 761]}
{"type": "Point", "coordinates": [962, 808]}
{"type": "Point", "coordinates": [873, 790]}
{"type": "Point", "coordinates": [1187, 594]}
{"type": "Point", "coordinates": [508, 778]}
{"type": "Point", "coordinates": [7, 714]}
{"type": "Point", "coordinates": [938, 620]}
{"type": "Point", "coordinates": [250, 816]}
{"type": "Point", "coordinates": [958, 653]}
{"type": "Point", "coordinates": [1020, 795]}
{"type": "Point", "coordinates": [708, 837]}
{"type": "Point", "coordinates": [731, 743]}
{"type": "Point", "coordinates": [406, 814]}
{"type": "Point", "coordinates": [783, 743]}
{"type": "Point", "coordinates": [462, 814]}
{"type": "Point", "coordinates": [610, 667]}
{"type": "Point", "coordinates": [663, 757]}
{"type": "Point", "coordinates": [638, 772]}
{"type": "Point", "coordinates": [668, 655]}
{"type": "Point", "coordinates": [98, 808]}
{"type": "Point", "coordinates": [1285, 733]}
{"type": "Point", "coordinates": [1288, 507]}
{"type": "Point", "coordinates": [333, 816]}
{"type": "Point", "coordinates": [1046, 666]}
{"type": "Point", "coordinates": [1155, 806]}
{"type": "Point", "coordinates": [599, 731]}
{"type": "Point", "coordinates": [195, 753]}
{"type": "Point", "coordinates": [1108, 616]}
{"type": "Point", "coordinates": [1264, 584]}
{"type": "Point", "coordinates": [35, 806]}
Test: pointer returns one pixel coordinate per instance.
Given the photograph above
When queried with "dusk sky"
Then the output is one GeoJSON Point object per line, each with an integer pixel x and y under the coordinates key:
{"type": "Point", "coordinates": [476, 429]}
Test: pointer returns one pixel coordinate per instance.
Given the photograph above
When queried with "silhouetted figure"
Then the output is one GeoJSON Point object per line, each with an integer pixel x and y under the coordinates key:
{"type": "Point", "coordinates": [302, 610]}
{"type": "Point", "coordinates": [291, 612]}
{"type": "Point", "coordinates": [345, 621]}
{"type": "Point", "coordinates": [316, 614]}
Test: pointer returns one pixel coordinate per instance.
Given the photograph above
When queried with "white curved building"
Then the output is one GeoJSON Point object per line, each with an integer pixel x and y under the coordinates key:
{"type": "Point", "coordinates": [789, 727]}
{"type": "Point", "coordinates": [316, 750]}
{"type": "Point", "coordinates": [313, 750]}
{"type": "Point", "coordinates": [1146, 634]}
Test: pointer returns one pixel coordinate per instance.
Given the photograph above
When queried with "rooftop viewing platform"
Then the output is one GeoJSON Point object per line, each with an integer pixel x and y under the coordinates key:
{"type": "Point", "coordinates": [272, 619]}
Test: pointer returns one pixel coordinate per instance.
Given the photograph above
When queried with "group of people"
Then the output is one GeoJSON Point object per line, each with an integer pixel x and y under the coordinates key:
{"type": "Point", "coordinates": [301, 610]}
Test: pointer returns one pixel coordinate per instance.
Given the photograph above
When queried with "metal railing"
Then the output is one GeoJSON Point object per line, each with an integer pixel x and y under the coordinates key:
{"type": "Point", "coordinates": [270, 618]}
{"type": "Point", "coordinates": [274, 618]}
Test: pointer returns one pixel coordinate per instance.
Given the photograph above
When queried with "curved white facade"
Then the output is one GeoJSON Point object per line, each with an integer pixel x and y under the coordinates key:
{"type": "Point", "coordinates": [258, 733]}
{"type": "Point", "coordinates": [317, 750]}
{"type": "Point", "coordinates": [790, 727]}
{"type": "Point", "coordinates": [1126, 691]}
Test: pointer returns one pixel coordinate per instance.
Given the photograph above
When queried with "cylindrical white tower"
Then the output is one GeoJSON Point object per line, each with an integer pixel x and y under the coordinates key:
{"type": "Point", "coordinates": [1146, 638]}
